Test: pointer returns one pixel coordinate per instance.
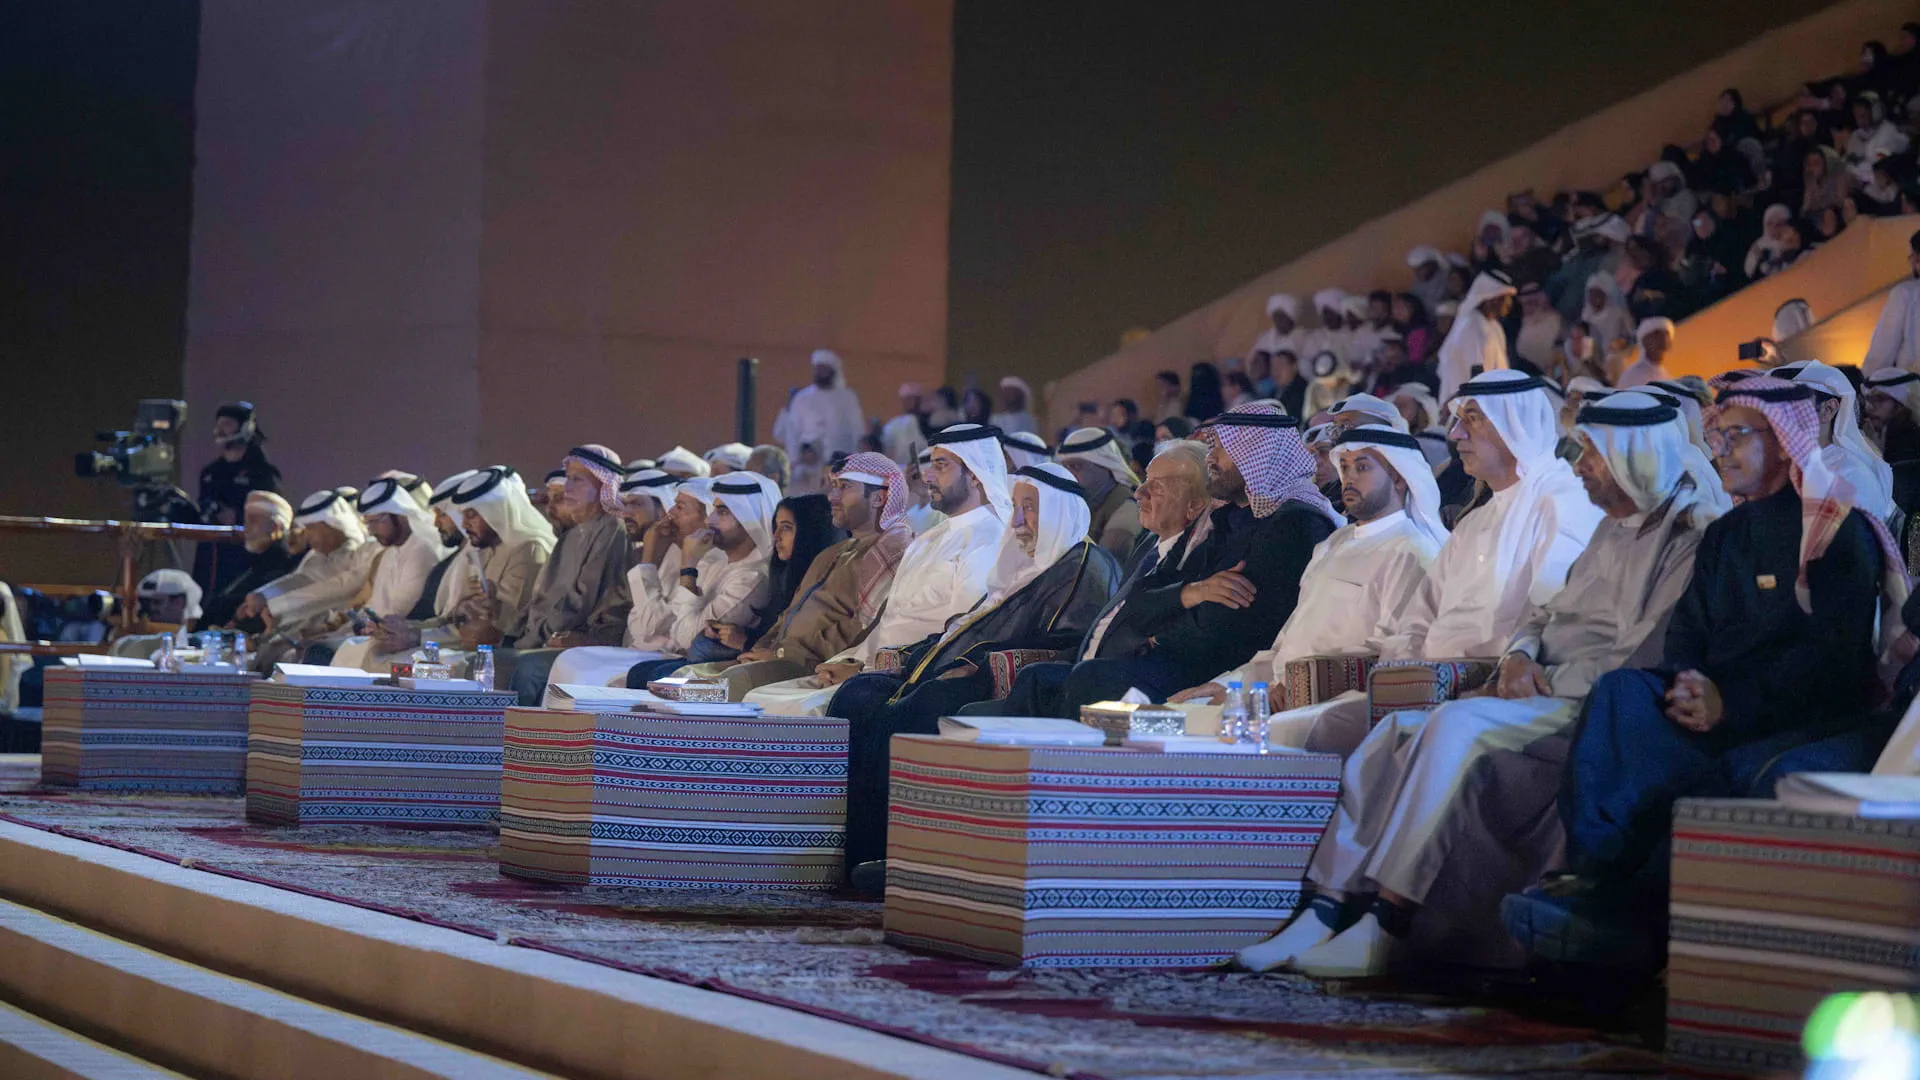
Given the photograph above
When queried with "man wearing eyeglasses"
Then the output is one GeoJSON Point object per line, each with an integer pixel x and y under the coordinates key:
{"type": "Point", "coordinates": [1770, 667]}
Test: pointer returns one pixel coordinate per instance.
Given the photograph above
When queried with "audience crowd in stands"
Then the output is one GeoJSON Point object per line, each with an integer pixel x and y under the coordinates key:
{"type": "Point", "coordinates": [1680, 586]}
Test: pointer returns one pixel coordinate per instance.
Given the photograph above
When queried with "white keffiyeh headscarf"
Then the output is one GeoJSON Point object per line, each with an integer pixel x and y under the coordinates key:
{"type": "Point", "coordinates": [330, 507]}
{"type": "Point", "coordinates": [1646, 451]}
{"type": "Point", "coordinates": [752, 500]}
{"type": "Point", "coordinates": [1870, 473]}
{"type": "Point", "coordinates": [1064, 521]}
{"type": "Point", "coordinates": [1097, 446]}
{"type": "Point", "coordinates": [500, 498]}
{"type": "Point", "coordinates": [1405, 458]}
{"type": "Point", "coordinates": [977, 446]}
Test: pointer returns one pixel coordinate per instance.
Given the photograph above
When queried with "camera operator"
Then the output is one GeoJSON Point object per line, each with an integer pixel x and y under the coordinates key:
{"type": "Point", "coordinates": [241, 469]}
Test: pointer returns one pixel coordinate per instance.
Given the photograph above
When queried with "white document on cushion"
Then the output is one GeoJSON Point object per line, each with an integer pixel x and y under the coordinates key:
{"type": "Point", "coordinates": [1853, 794]}
{"type": "Point", "coordinates": [1020, 731]}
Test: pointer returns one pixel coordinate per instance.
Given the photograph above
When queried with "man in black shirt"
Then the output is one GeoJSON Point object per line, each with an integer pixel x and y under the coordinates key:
{"type": "Point", "coordinates": [1770, 653]}
{"type": "Point", "coordinates": [241, 469]}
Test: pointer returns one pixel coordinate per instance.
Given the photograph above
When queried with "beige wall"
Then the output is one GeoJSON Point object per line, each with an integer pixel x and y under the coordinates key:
{"type": "Point", "coordinates": [336, 232]}
{"type": "Point", "coordinates": [447, 233]}
{"type": "Point", "coordinates": [672, 186]}
{"type": "Point", "coordinates": [1848, 274]}
{"type": "Point", "coordinates": [1591, 153]}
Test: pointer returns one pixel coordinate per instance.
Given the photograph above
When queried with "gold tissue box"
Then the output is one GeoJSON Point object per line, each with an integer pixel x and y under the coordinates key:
{"type": "Point", "coordinates": [684, 689]}
{"type": "Point", "coordinates": [1119, 720]}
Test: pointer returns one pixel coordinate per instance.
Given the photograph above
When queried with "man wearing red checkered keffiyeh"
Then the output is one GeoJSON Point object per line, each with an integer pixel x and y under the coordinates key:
{"type": "Point", "coordinates": [1769, 667]}
{"type": "Point", "coordinates": [604, 466]}
{"type": "Point", "coordinates": [877, 470]}
{"type": "Point", "coordinates": [1264, 447]}
{"type": "Point", "coordinates": [1825, 497]}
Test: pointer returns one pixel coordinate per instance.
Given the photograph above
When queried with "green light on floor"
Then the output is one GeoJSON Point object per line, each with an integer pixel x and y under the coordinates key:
{"type": "Point", "coordinates": [1865, 1036]}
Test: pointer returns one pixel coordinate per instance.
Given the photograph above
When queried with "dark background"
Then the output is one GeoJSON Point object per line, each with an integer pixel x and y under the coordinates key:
{"type": "Point", "coordinates": [1114, 164]}
{"type": "Point", "coordinates": [96, 166]}
{"type": "Point", "coordinates": [1120, 164]}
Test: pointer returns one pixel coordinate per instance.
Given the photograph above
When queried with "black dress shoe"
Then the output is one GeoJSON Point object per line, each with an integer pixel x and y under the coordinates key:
{"type": "Point", "coordinates": [869, 879]}
{"type": "Point", "coordinates": [1564, 922]}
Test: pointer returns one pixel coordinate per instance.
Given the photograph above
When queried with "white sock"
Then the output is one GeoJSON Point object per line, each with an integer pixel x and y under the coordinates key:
{"type": "Point", "coordinates": [1279, 950]}
{"type": "Point", "coordinates": [1355, 953]}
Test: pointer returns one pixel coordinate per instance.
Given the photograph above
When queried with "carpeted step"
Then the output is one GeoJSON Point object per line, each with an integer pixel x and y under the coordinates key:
{"type": "Point", "coordinates": [204, 1022]}
{"type": "Point", "coordinates": [33, 1049]}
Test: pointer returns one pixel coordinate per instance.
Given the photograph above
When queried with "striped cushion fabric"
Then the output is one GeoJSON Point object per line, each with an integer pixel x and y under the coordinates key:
{"type": "Point", "coordinates": [1772, 910]}
{"type": "Point", "coordinates": [674, 802]}
{"type": "Point", "coordinates": [1006, 665]}
{"type": "Point", "coordinates": [143, 730]}
{"type": "Point", "coordinates": [1421, 684]}
{"type": "Point", "coordinates": [378, 755]}
{"type": "Point", "coordinates": [1311, 680]}
{"type": "Point", "coordinates": [1050, 856]}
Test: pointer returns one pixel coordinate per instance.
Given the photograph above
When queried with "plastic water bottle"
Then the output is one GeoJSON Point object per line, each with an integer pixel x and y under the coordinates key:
{"type": "Point", "coordinates": [1233, 715]}
{"type": "Point", "coordinates": [240, 658]}
{"type": "Point", "coordinates": [1257, 710]}
{"type": "Point", "coordinates": [483, 667]}
{"type": "Point", "coordinates": [166, 660]}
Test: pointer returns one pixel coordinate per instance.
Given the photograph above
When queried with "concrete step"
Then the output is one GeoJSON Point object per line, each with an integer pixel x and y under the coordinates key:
{"type": "Point", "coordinates": [34, 1049]}
{"type": "Point", "coordinates": [568, 1016]}
{"type": "Point", "coordinates": [199, 1021]}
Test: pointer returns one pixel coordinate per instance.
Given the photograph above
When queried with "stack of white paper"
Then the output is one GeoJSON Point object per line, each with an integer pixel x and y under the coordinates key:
{"type": "Point", "coordinates": [582, 697]}
{"type": "Point", "coordinates": [699, 708]}
{"type": "Point", "coordinates": [1853, 794]}
{"type": "Point", "coordinates": [321, 675]}
{"type": "Point", "coordinates": [103, 660]}
{"type": "Point", "coordinates": [1020, 730]}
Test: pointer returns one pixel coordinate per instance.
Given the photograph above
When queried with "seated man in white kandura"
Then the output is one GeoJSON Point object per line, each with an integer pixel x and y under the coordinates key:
{"type": "Point", "coordinates": [1451, 809]}
{"type": "Point", "coordinates": [1363, 576]}
{"type": "Point", "coordinates": [1503, 558]}
{"type": "Point", "coordinates": [720, 576]}
{"type": "Point", "coordinates": [944, 571]}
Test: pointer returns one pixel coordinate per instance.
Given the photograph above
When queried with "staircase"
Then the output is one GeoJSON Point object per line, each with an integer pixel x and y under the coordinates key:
{"type": "Point", "coordinates": [118, 965]}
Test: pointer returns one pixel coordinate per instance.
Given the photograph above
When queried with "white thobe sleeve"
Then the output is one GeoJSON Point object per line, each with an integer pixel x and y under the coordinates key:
{"type": "Point", "coordinates": [519, 572]}
{"type": "Point", "coordinates": [650, 617]}
{"type": "Point", "coordinates": [1555, 544]}
{"type": "Point", "coordinates": [403, 576]}
{"type": "Point", "coordinates": [1526, 640]}
{"type": "Point", "coordinates": [1406, 637]}
{"type": "Point", "coordinates": [1642, 622]}
{"type": "Point", "coordinates": [944, 586]}
{"type": "Point", "coordinates": [1392, 590]}
{"type": "Point", "coordinates": [1889, 345]}
{"type": "Point", "coordinates": [311, 569]}
{"type": "Point", "coordinates": [326, 591]}
{"type": "Point", "coordinates": [729, 599]}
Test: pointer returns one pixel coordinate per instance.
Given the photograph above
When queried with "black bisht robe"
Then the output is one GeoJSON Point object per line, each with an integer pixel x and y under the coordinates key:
{"type": "Point", "coordinates": [1052, 611]}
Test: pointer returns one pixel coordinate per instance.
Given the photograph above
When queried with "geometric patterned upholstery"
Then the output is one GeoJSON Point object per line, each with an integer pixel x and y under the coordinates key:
{"type": "Point", "coordinates": [1311, 680]}
{"type": "Point", "coordinates": [1006, 664]}
{"type": "Point", "coordinates": [1421, 684]}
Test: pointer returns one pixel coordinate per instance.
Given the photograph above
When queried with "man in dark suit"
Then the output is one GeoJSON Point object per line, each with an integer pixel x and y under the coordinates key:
{"type": "Point", "coordinates": [1218, 588]}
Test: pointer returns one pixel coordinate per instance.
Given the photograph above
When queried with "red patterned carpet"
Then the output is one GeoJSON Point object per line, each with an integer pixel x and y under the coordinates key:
{"type": "Point", "coordinates": [825, 955]}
